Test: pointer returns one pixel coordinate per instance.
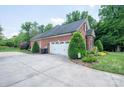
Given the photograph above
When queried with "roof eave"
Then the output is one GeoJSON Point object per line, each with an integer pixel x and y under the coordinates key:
{"type": "Point", "coordinates": [53, 36]}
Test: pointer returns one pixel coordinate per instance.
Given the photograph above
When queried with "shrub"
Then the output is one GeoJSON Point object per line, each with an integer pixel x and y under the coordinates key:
{"type": "Point", "coordinates": [24, 45]}
{"type": "Point", "coordinates": [35, 48]}
{"type": "Point", "coordinates": [84, 53]}
{"type": "Point", "coordinates": [89, 59]}
{"type": "Point", "coordinates": [95, 50]}
{"type": "Point", "coordinates": [99, 45]}
{"type": "Point", "coordinates": [9, 43]}
{"type": "Point", "coordinates": [102, 53]}
{"type": "Point", "coordinates": [2, 43]}
{"type": "Point", "coordinates": [106, 52]}
{"type": "Point", "coordinates": [76, 45]}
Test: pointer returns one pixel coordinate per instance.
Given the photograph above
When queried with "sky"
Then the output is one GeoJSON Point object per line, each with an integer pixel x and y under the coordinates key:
{"type": "Point", "coordinates": [11, 17]}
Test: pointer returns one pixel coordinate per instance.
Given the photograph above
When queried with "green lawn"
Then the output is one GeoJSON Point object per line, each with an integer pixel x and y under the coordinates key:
{"type": "Point", "coordinates": [8, 49]}
{"type": "Point", "coordinates": [12, 49]}
{"type": "Point", "coordinates": [112, 62]}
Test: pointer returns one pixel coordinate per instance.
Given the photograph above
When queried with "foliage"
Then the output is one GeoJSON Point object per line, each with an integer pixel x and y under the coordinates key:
{"type": "Point", "coordinates": [99, 45]}
{"type": "Point", "coordinates": [76, 45]}
{"type": "Point", "coordinates": [84, 53]}
{"type": "Point", "coordinates": [48, 27]}
{"type": "Point", "coordinates": [41, 28]}
{"type": "Point", "coordinates": [89, 59]}
{"type": "Point", "coordinates": [7, 42]}
{"type": "Point", "coordinates": [113, 62]}
{"type": "Point", "coordinates": [27, 26]}
{"type": "Point", "coordinates": [29, 30]}
{"type": "Point", "coordinates": [34, 29]}
{"type": "Point", "coordinates": [110, 29]}
{"type": "Point", "coordinates": [1, 34]}
{"type": "Point", "coordinates": [77, 15]}
{"type": "Point", "coordinates": [101, 53]}
{"type": "Point", "coordinates": [2, 43]}
{"type": "Point", "coordinates": [94, 50]}
{"type": "Point", "coordinates": [35, 48]}
{"type": "Point", "coordinates": [22, 37]}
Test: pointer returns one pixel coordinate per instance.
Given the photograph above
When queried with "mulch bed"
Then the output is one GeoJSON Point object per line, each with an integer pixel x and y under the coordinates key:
{"type": "Point", "coordinates": [78, 61]}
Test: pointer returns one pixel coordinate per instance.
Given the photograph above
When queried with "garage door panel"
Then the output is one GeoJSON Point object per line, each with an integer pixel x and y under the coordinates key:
{"type": "Point", "coordinates": [59, 48]}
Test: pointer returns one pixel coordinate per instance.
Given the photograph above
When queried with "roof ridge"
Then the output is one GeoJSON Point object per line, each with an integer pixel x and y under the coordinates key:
{"type": "Point", "coordinates": [73, 22]}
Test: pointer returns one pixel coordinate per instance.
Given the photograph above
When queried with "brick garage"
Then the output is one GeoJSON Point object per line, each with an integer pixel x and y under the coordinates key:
{"type": "Point", "coordinates": [64, 33]}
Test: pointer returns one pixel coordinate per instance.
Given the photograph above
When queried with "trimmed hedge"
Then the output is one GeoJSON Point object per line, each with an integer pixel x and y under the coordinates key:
{"type": "Point", "coordinates": [76, 45]}
{"type": "Point", "coordinates": [35, 48]}
{"type": "Point", "coordinates": [99, 45]}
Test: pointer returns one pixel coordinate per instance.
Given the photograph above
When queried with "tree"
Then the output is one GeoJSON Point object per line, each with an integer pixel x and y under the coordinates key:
{"type": "Point", "coordinates": [41, 28]}
{"type": "Point", "coordinates": [110, 29]}
{"type": "Point", "coordinates": [22, 37]}
{"type": "Point", "coordinates": [35, 48]}
{"type": "Point", "coordinates": [34, 29]}
{"type": "Point", "coordinates": [84, 14]}
{"type": "Point", "coordinates": [48, 27]}
{"type": "Point", "coordinates": [1, 35]}
{"type": "Point", "coordinates": [27, 26]}
{"type": "Point", "coordinates": [77, 15]}
{"type": "Point", "coordinates": [76, 45]}
{"type": "Point", "coordinates": [99, 45]}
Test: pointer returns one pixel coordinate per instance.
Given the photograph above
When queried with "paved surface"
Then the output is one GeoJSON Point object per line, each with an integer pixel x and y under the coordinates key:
{"type": "Point", "coordinates": [20, 70]}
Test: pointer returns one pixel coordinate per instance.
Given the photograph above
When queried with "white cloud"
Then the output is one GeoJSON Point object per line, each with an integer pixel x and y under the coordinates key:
{"type": "Point", "coordinates": [10, 31]}
{"type": "Point", "coordinates": [57, 21]}
{"type": "Point", "coordinates": [9, 35]}
{"type": "Point", "coordinates": [92, 5]}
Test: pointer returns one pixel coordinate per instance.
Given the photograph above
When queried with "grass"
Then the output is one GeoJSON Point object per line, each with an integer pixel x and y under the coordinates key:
{"type": "Point", "coordinates": [112, 62]}
{"type": "Point", "coordinates": [9, 49]}
{"type": "Point", "coordinates": [13, 49]}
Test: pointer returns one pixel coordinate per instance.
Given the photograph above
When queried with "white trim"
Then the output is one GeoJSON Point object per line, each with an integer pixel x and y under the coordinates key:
{"type": "Point", "coordinates": [53, 36]}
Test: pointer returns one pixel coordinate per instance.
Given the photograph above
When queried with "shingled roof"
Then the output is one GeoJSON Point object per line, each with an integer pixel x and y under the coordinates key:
{"type": "Point", "coordinates": [60, 29]}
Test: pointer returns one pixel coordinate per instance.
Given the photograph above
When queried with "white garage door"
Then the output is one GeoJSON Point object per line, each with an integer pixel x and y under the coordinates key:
{"type": "Point", "coordinates": [59, 48]}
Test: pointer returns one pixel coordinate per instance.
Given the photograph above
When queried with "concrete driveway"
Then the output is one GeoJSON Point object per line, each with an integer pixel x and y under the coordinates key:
{"type": "Point", "coordinates": [19, 69]}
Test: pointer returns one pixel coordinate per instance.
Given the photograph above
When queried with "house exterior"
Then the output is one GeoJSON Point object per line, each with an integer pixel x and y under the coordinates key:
{"type": "Point", "coordinates": [56, 40]}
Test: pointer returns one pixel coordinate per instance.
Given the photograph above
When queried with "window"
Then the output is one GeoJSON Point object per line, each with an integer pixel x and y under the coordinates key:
{"type": "Point", "coordinates": [52, 42]}
{"type": "Point", "coordinates": [61, 42]}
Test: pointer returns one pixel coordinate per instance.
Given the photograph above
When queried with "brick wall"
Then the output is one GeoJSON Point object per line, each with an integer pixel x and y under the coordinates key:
{"type": "Point", "coordinates": [89, 42]}
{"type": "Point", "coordinates": [82, 30]}
{"type": "Point", "coordinates": [45, 42]}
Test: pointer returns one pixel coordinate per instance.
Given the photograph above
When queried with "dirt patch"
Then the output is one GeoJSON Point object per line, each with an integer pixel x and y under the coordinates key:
{"type": "Point", "coordinates": [78, 61]}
